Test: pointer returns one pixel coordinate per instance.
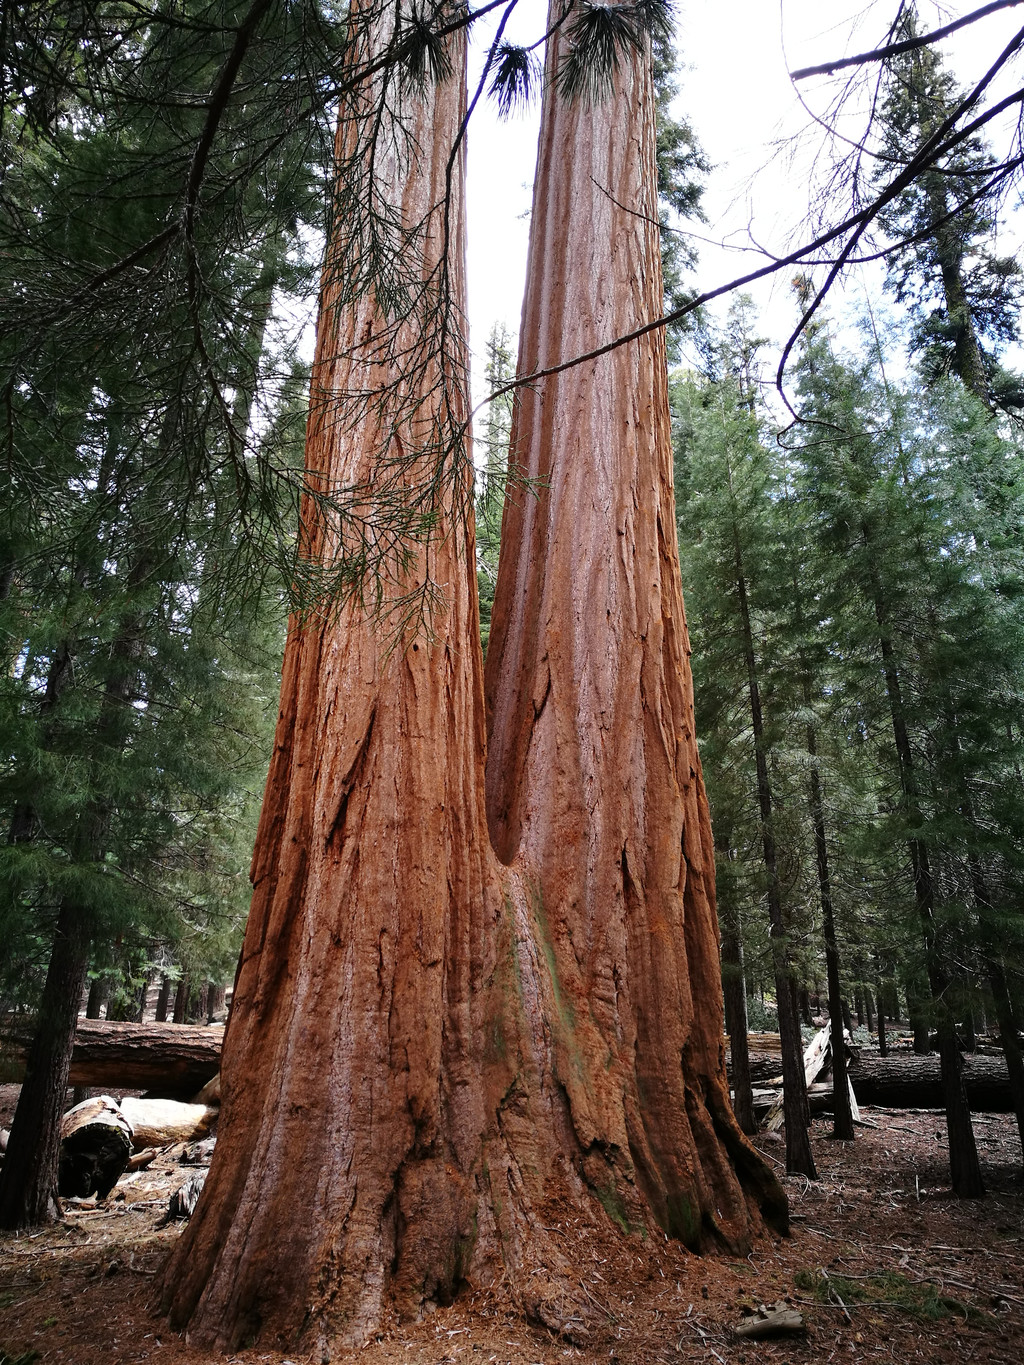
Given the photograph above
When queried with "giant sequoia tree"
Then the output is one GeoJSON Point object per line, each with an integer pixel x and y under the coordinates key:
{"type": "Point", "coordinates": [446, 1014]}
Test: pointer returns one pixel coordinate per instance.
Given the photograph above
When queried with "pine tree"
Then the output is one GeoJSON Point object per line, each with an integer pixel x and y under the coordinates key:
{"type": "Point", "coordinates": [874, 492]}
{"type": "Point", "coordinates": [138, 501]}
{"type": "Point", "coordinates": [493, 477]}
{"type": "Point", "coordinates": [963, 300]}
{"type": "Point", "coordinates": [726, 501]}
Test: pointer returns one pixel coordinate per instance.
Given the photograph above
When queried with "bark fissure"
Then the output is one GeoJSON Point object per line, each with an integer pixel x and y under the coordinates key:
{"type": "Point", "coordinates": [485, 992]}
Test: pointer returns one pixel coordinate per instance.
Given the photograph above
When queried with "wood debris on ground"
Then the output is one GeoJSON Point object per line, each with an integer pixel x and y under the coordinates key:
{"type": "Point", "coordinates": [883, 1264]}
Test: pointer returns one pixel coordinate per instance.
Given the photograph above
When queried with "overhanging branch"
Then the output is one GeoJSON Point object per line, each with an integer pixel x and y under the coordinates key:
{"type": "Point", "coordinates": [855, 224]}
{"type": "Point", "coordinates": [879, 54]}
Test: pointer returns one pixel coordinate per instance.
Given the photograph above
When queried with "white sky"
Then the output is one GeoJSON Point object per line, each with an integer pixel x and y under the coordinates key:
{"type": "Point", "coordinates": [736, 93]}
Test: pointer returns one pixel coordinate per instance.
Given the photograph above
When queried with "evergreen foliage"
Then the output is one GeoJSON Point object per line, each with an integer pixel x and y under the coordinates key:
{"type": "Point", "coordinates": [963, 300]}
{"type": "Point", "coordinates": [879, 544]}
{"type": "Point", "coordinates": [140, 625]}
{"type": "Point", "coordinates": [493, 477]}
{"type": "Point", "coordinates": [682, 170]}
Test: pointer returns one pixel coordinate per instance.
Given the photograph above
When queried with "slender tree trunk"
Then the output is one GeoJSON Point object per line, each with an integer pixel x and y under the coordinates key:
{"type": "Point", "coordinates": [97, 997]}
{"type": "Point", "coordinates": [842, 1127]}
{"type": "Point", "coordinates": [799, 1158]}
{"type": "Point", "coordinates": [163, 1000]}
{"type": "Point", "coordinates": [967, 1033]}
{"type": "Point", "coordinates": [965, 1169]}
{"type": "Point", "coordinates": [917, 1010]}
{"type": "Point", "coordinates": [215, 1003]}
{"type": "Point", "coordinates": [889, 987]}
{"type": "Point", "coordinates": [734, 988]}
{"type": "Point", "coordinates": [143, 1000]}
{"type": "Point", "coordinates": [28, 1177]}
{"type": "Point", "coordinates": [881, 998]}
{"type": "Point", "coordinates": [181, 995]}
{"type": "Point", "coordinates": [430, 1041]}
{"type": "Point", "coordinates": [195, 1011]}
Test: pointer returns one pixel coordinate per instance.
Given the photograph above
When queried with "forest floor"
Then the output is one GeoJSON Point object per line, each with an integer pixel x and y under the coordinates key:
{"type": "Point", "coordinates": [913, 1275]}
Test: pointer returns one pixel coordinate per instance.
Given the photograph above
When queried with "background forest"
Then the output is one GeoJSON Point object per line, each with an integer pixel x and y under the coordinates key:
{"type": "Point", "coordinates": [853, 575]}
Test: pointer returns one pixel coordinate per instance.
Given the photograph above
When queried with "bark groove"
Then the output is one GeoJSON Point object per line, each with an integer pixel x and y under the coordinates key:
{"type": "Point", "coordinates": [595, 796]}
{"type": "Point", "coordinates": [428, 1048]}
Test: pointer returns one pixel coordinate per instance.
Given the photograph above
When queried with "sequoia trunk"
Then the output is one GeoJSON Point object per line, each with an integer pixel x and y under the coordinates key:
{"type": "Point", "coordinates": [594, 789]}
{"type": "Point", "coordinates": [411, 1066]}
{"type": "Point", "coordinates": [348, 1162]}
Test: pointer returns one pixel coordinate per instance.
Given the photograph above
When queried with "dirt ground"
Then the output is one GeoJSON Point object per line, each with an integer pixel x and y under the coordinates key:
{"type": "Point", "coordinates": [883, 1263]}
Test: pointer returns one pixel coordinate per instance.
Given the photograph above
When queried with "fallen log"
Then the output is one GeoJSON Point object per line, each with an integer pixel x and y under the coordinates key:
{"type": "Point", "coordinates": [765, 1052]}
{"type": "Point", "coordinates": [909, 1081]}
{"type": "Point", "coordinates": [168, 1060]}
{"type": "Point", "coordinates": [95, 1144]}
{"type": "Point", "coordinates": [763, 1068]}
{"type": "Point", "coordinates": [162, 1123]}
{"type": "Point", "coordinates": [915, 1082]}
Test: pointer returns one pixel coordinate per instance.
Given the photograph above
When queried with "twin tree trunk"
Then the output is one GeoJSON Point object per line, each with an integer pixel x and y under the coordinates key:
{"type": "Point", "coordinates": [452, 1010]}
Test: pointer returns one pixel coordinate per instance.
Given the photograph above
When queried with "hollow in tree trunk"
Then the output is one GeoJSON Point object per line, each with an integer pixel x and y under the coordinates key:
{"type": "Point", "coordinates": [426, 1042]}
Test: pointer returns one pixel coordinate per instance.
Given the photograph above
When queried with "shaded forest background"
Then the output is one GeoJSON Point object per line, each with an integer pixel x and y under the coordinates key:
{"type": "Point", "coordinates": [854, 578]}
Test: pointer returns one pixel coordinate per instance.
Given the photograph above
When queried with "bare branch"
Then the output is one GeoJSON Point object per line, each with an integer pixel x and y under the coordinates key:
{"type": "Point", "coordinates": [854, 224]}
{"type": "Point", "coordinates": [879, 54]}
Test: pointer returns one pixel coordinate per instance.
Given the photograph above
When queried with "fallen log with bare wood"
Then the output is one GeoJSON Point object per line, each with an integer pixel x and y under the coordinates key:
{"type": "Point", "coordinates": [907, 1081]}
{"type": "Point", "coordinates": [764, 1051]}
{"type": "Point", "coordinates": [98, 1136]}
{"type": "Point", "coordinates": [915, 1082]}
{"type": "Point", "coordinates": [171, 1060]}
{"type": "Point", "coordinates": [162, 1123]}
{"type": "Point", "coordinates": [95, 1145]}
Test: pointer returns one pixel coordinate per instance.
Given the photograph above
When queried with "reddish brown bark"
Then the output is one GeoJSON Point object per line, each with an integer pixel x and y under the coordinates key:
{"type": "Point", "coordinates": [170, 1059]}
{"type": "Point", "coordinates": [352, 1087]}
{"type": "Point", "coordinates": [594, 786]}
{"type": "Point", "coordinates": [416, 1058]}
